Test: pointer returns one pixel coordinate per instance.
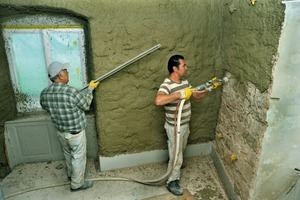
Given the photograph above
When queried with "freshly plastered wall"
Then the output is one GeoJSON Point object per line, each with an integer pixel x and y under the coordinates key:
{"type": "Point", "coordinates": [126, 118]}
{"type": "Point", "coordinates": [215, 36]}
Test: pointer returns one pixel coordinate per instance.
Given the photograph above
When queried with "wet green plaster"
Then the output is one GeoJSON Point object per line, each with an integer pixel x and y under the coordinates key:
{"type": "Point", "coordinates": [212, 36]}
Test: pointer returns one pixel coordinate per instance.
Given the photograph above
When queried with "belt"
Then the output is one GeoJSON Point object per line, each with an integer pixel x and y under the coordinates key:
{"type": "Point", "coordinates": [74, 133]}
{"type": "Point", "coordinates": [71, 132]}
{"type": "Point", "coordinates": [176, 123]}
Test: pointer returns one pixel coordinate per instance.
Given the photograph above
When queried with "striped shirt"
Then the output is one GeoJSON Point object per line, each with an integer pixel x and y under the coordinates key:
{"type": "Point", "coordinates": [66, 106]}
{"type": "Point", "coordinates": [169, 87]}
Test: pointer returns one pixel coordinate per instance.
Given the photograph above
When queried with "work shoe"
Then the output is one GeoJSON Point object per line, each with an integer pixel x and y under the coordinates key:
{"type": "Point", "coordinates": [174, 188]}
{"type": "Point", "coordinates": [87, 184]}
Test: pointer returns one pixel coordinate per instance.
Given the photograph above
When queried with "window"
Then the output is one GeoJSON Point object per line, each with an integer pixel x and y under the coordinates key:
{"type": "Point", "coordinates": [31, 48]}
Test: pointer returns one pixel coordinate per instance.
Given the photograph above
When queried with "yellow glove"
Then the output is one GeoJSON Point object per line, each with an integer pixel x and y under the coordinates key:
{"type": "Point", "coordinates": [186, 94]}
{"type": "Point", "coordinates": [93, 84]}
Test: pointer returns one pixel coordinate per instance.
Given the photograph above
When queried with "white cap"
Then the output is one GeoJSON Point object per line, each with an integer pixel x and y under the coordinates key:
{"type": "Point", "coordinates": [55, 67]}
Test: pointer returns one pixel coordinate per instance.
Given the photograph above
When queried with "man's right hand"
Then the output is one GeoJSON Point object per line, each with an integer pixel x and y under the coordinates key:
{"type": "Point", "coordinates": [186, 94]}
{"type": "Point", "coordinates": [93, 84]}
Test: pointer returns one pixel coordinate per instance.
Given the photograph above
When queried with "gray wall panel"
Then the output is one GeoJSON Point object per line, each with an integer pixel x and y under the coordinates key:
{"type": "Point", "coordinates": [35, 140]}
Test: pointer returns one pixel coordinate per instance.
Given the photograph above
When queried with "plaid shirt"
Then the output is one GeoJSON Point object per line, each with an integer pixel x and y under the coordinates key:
{"type": "Point", "coordinates": [66, 106]}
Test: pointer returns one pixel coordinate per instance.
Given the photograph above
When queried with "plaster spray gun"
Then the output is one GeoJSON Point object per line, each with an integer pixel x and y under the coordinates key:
{"type": "Point", "coordinates": [211, 84]}
{"type": "Point", "coordinates": [207, 87]}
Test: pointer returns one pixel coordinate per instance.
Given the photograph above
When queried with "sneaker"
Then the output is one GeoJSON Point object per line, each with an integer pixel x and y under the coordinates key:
{"type": "Point", "coordinates": [87, 184]}
{"type": "Point", "coordinates": [174, 188]}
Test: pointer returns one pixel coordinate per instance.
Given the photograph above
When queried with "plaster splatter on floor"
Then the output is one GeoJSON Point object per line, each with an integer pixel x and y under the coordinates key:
{"type": "Point", "coordinates": [199, 180]}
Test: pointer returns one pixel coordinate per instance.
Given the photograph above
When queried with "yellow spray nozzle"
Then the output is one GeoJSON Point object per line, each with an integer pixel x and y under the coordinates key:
{"type": "Point", "coordinates": [253, 2]}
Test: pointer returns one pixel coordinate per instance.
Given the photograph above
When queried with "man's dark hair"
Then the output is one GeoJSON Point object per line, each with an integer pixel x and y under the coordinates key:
{"type": "Point", "coordinates": [174, 61]}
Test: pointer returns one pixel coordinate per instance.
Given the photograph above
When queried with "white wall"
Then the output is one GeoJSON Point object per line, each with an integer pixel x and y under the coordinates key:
{"type": "Point", "coordinates": [281, 146]}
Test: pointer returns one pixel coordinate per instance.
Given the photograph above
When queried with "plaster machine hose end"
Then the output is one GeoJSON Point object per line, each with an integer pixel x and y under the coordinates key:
{"type": "Point", "coordinates": [212, 84]}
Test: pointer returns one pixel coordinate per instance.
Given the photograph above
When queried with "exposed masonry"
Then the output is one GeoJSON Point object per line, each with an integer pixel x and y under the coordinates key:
{"type": "Point", "coordinates": [242, 122]}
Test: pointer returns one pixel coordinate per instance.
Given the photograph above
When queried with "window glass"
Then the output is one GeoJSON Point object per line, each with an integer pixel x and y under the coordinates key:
{"type": "Point", "coordinates": [66, 47]}
{"type": "Point", "coordinates": [30, 51]}
{"type": "Point", "coordinates": [30, 74]}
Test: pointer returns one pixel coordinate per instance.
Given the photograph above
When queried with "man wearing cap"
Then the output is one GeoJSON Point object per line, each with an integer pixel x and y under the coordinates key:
{"type": "Point", "coordinates": [66, 106]}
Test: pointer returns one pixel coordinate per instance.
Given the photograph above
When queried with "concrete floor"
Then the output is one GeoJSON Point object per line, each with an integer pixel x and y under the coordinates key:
{"type": "Point", "coordinates": [48, 180]}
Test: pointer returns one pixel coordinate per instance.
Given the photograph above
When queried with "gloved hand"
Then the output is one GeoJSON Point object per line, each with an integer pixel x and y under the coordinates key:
{"type": "Point", "coordinates": [93, 84]}
{"type": "Point", "coordinates": [186, 93]}
{"type": "Point", "coordinates": [216, 84]}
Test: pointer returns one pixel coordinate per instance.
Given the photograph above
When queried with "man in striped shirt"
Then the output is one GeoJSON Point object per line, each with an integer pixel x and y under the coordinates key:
{"type": "Point", "coordinates": [66, 106]}
{"type": "Point", "coordinates": [170, 93]}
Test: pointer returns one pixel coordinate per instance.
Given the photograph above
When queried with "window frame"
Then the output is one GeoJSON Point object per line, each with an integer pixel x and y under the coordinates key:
{"type": "Point", "coordinates": [45, 32]}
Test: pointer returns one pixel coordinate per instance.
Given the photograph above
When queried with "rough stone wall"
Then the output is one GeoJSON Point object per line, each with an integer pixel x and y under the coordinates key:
{"type": "Point", "coordinates": [242, 123]}
{"type": "Point", "coordinates": [250, 40]}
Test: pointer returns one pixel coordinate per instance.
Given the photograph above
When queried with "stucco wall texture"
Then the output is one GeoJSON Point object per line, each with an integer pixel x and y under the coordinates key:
{"type": "Point", "coordinates": [128, 120]}
{"type": "Point", "coordinates": [7, 106]}
{"type": "Point", "coordinates": [215, 36]}
{"type": "Point", "coordinates": [126, 117]}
